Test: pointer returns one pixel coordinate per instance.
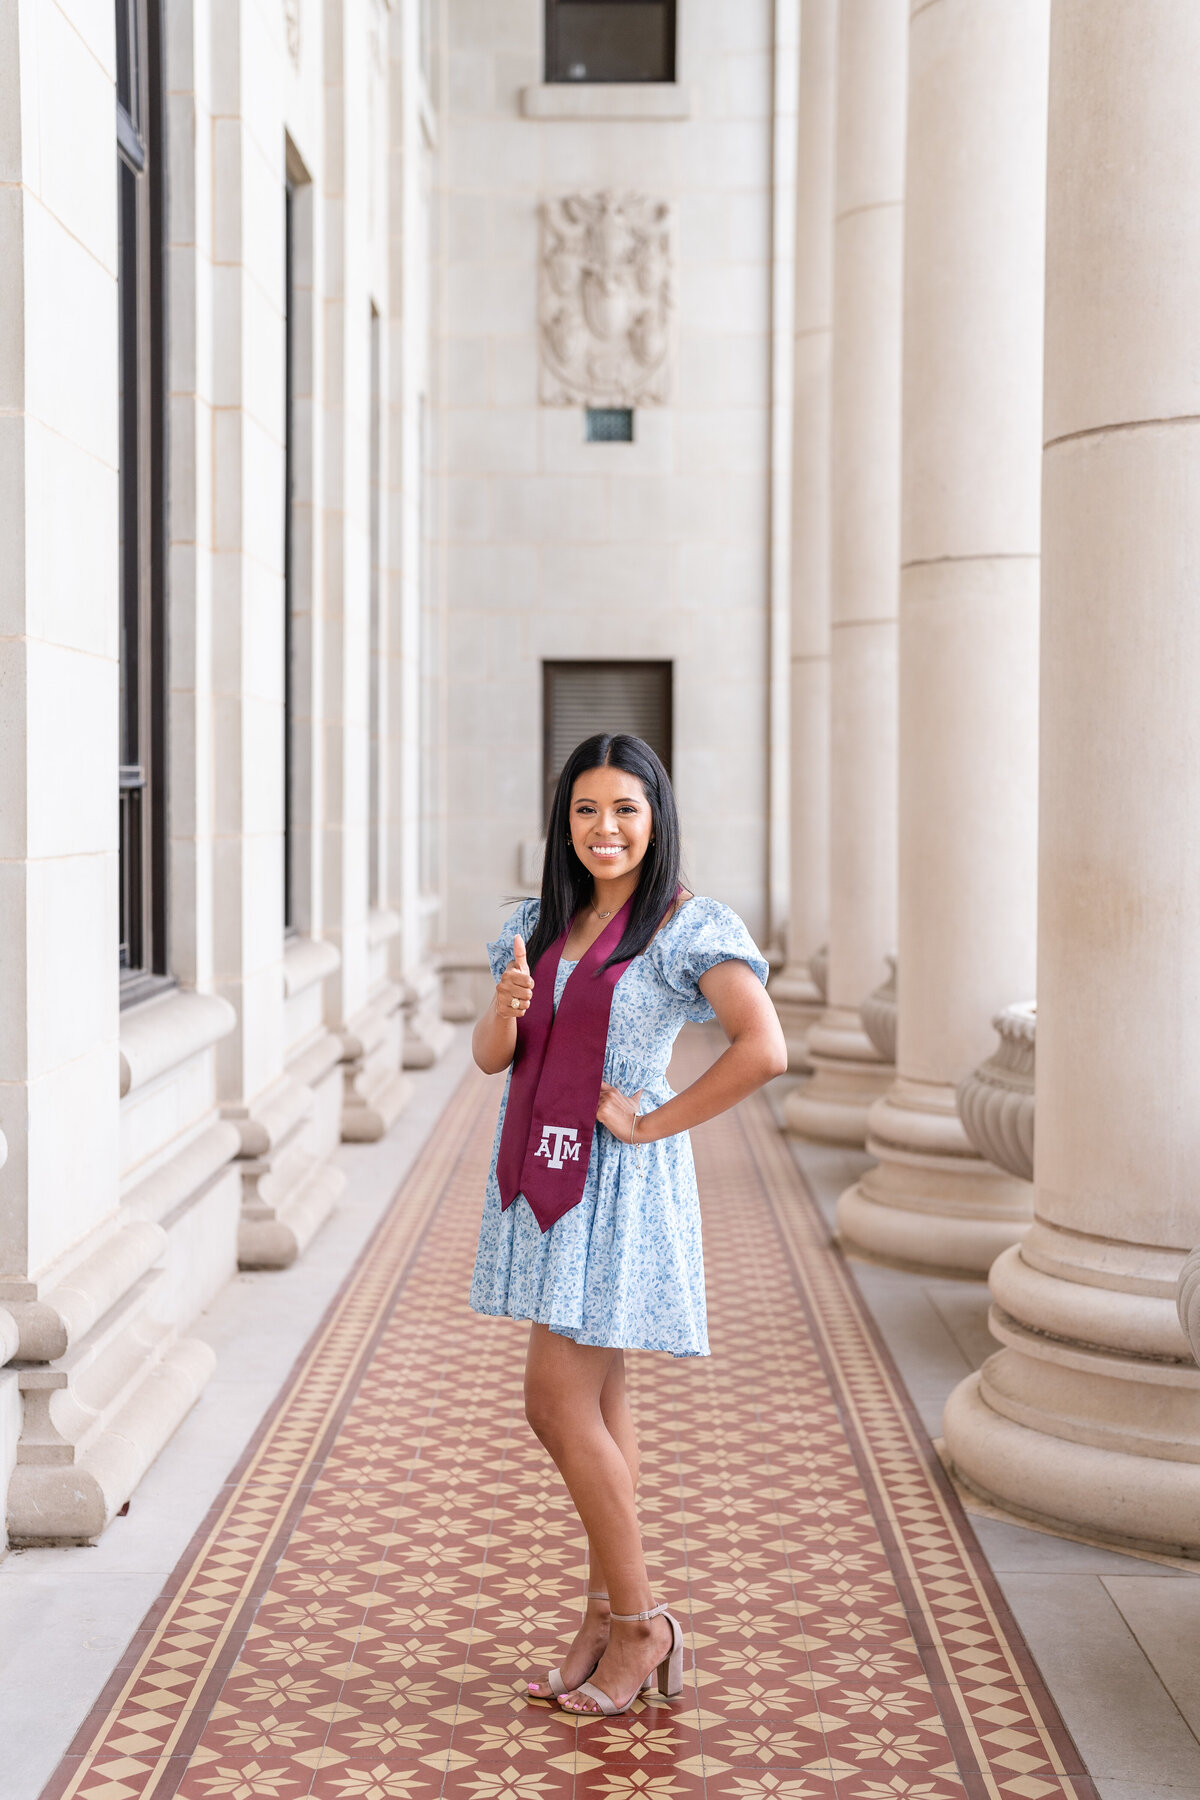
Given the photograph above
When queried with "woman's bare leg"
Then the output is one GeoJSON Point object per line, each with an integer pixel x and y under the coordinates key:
{"type": "Point", "coordinates": [564, 1382]}
{"type": "Point", "coordinates": [592, 1638]}
{"type": "Point", "coordinates": [618, 1420]}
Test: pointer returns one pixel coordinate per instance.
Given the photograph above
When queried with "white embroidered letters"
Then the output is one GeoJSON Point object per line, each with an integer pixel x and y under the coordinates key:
{"type": "Point", "coordinates": [559, 1145]}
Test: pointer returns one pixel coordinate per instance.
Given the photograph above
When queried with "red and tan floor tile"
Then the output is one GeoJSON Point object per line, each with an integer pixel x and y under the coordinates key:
{"type": "Point", "coordinates": [394, 1558]}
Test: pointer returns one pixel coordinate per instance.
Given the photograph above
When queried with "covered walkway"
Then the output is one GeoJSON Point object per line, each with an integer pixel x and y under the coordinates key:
{"type": "Point", "coordinates": [392, 1558]}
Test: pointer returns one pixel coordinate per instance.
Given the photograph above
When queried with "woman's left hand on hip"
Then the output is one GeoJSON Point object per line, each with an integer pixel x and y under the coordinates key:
{"type": "Point", "coordinates": [618, 1111]}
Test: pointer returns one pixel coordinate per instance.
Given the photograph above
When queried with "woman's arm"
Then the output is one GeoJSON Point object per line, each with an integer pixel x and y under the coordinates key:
{"type": "Point", "coordinates": [494, 1039]}
{"type": "Point", "coordinates": [756, 1053]}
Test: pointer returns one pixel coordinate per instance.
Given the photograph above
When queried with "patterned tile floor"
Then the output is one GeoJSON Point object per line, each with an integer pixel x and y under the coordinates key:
{"type": "Point", "coordinates": [393, 1557]}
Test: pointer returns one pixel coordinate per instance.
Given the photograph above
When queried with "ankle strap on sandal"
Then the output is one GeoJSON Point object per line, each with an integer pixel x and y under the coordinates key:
{"type": "Point", "coordinates": [596, 1594]}
{"type": "Point", "coordinates": [655, 1612]}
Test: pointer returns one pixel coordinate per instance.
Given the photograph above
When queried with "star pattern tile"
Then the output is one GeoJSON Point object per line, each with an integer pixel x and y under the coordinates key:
{"type": "Point", "coordinates": [394, 1558]}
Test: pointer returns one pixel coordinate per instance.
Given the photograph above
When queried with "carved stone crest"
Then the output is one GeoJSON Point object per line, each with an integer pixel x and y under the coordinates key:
{"type": "Point", "coordinates": [606, 301]}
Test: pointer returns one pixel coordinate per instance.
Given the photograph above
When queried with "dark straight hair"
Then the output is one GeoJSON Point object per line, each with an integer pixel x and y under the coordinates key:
{"type": "Point", "coordinates": [567, 885]}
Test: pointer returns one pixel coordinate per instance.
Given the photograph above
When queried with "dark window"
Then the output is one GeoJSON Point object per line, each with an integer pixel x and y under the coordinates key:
{"type": "Point", "coordinates": [610, 40]}
{"type": "Point", "coordinates": [582, 698]}
{"type": "Point", "coordinates": [609, 425]}
{"type": "Point", "coordinates": [289, 556]}
{"type": "Point", "coordinates": [141, 499]}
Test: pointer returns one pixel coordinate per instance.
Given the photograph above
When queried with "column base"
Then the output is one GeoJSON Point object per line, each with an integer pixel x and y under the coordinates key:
{"type": "Point", "coordinates": [1090, 1414]}
{"type": "Point", "coordinates": [289, 1187]}
{"type": "Point", "coordinates": [374, 1092]}
{"type": "Point", "coordinates": [799, 1005]}
{"type": "Point", "coordinates": [427, 1036]}
{"type": "Point", "coordinates": [848, 1077]}
{"type": "Point", "coordinates": [274, 1235]}
{"type": "Point", "coordinates": [102, 1375]}
{"type": "Point", "coordinates": [66, 1491]}
{"type": "Point", "coordinates": [1140, 1502]}
{"type": "Point", "coordinates": [932, 1204]}
{"type": "Point", "coordinates": [467, 986]}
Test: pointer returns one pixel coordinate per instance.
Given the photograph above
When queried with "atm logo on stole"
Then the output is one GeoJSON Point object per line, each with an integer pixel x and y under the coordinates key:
{"type": "Point", "coordinates": [559, 1145]}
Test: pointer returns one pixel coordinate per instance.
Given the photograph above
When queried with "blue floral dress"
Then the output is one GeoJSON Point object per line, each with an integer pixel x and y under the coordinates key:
{"type": "Point", "coordinates": [624, 1267]}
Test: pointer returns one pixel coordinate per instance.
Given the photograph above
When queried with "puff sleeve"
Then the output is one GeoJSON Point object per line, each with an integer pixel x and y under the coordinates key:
{"type": "Point", "coordinates": [702, 934]}
{"type": "Point", "coordinates": [501, 948]}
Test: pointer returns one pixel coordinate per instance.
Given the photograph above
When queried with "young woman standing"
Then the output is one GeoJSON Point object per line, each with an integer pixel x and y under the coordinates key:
{"type": "Point", "coordinates": [591, 1223]}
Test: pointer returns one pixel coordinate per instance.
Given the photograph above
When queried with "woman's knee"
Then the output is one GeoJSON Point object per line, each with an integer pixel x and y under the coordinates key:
{"type": "Point", "coordinates": [545, 1413]}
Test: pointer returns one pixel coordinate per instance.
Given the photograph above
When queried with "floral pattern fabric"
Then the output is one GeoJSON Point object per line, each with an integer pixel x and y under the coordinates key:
{"type": "Point", "coordinates": [625, 1267]}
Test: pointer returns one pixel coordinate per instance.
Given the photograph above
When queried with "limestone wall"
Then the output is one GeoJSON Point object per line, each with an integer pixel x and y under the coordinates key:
{"type": "Point", "coordinates": [559, 548]}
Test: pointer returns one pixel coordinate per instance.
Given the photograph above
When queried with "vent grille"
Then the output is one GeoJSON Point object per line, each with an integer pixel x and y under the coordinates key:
{"type": "Point", "coordinates": [582, 698]}
{"type": "Point", "coordinates": [609, 425]}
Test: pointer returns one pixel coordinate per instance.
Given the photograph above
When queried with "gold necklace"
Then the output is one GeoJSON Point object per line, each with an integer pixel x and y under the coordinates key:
{"type": "Point", "coordinates": [598, 913]}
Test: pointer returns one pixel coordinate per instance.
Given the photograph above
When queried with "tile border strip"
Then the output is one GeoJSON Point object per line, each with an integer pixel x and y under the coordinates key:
{"type": "Point", "coordinates": [831, 1300]}
{"type": "Point", "coordinates": [321, 1383]}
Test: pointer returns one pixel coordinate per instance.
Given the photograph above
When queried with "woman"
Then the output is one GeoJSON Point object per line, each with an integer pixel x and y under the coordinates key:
{"type": "Point", "coordinates": [591, 1224]}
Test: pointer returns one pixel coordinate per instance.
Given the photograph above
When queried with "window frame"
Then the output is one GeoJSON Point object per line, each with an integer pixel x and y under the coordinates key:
{"type": "Point", "coordinates": [142, 495]}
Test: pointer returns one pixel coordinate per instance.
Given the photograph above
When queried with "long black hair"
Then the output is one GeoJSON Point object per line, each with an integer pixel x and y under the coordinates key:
{"type": "Point", "coordinates": [567, 885]}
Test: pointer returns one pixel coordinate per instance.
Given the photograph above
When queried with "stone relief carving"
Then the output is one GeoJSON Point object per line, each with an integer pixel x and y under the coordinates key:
{"type": "Point", "coordinates": [291, 20]}
{"type": "Point", "coordinates": [996, 1101]}
{"type": "Point", "coordinates": [606, 300]}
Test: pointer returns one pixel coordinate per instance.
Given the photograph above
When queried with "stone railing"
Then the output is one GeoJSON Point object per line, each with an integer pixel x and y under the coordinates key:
{"type": "Point", "coordinates": [878, 1014]}
{"type": "Point", "coordinates": [995, 1101]}
{"type": "Point", "coordinates": [1187, 1301]}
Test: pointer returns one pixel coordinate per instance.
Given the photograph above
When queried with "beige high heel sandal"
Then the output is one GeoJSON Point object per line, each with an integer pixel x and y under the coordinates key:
{"type": "Point", "coordinates": [554, 1679]}
{"type": "Point", "coordinates": [668, 1671]}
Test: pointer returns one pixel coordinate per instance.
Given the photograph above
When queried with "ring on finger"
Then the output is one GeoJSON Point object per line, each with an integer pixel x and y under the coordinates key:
{"type": "Point", "coordinates": [515, 1004]}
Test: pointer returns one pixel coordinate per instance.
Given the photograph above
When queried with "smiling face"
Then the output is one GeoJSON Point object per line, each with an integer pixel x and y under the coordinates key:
{"type": "Point", "coordinates": [611, 822]}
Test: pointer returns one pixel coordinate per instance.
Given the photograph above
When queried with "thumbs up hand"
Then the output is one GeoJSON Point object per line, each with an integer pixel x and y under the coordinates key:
{"type": "Point", "coordinates": [514, 990]}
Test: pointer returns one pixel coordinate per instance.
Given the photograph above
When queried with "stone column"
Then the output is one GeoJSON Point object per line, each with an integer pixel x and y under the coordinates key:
{"type": "Point", "coordinates": [410, 572]}
{"type": "Point", "coordinates": [362, 1009]}
{"type": "Point", "coordinates": [797, 999]}
{"type": "Point", "coordinates": [865, 492]}
{"type": "Point", "coordinates": [277, 1103]}
{"type": "Point", "coordinates": [92, 1278]}
{"type": "Point", "coordinates": [1091, 1413]}
{"type": "Point", "coordinates": [971, 459]}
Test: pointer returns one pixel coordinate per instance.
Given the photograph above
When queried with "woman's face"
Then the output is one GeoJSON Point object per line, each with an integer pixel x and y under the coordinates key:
{"type": "Point", "coordinates": [611, 822]}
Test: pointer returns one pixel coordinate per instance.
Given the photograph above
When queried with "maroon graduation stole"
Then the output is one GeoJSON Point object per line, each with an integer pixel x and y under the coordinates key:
{"type": "Point", "coordinates": [551, 1115]}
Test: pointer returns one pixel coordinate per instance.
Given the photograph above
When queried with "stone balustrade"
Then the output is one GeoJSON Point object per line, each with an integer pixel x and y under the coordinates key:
{"type": "Point", "coordinates": [878, 1013]}
{"type": "Point", "coordinates": [996, 1100]}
